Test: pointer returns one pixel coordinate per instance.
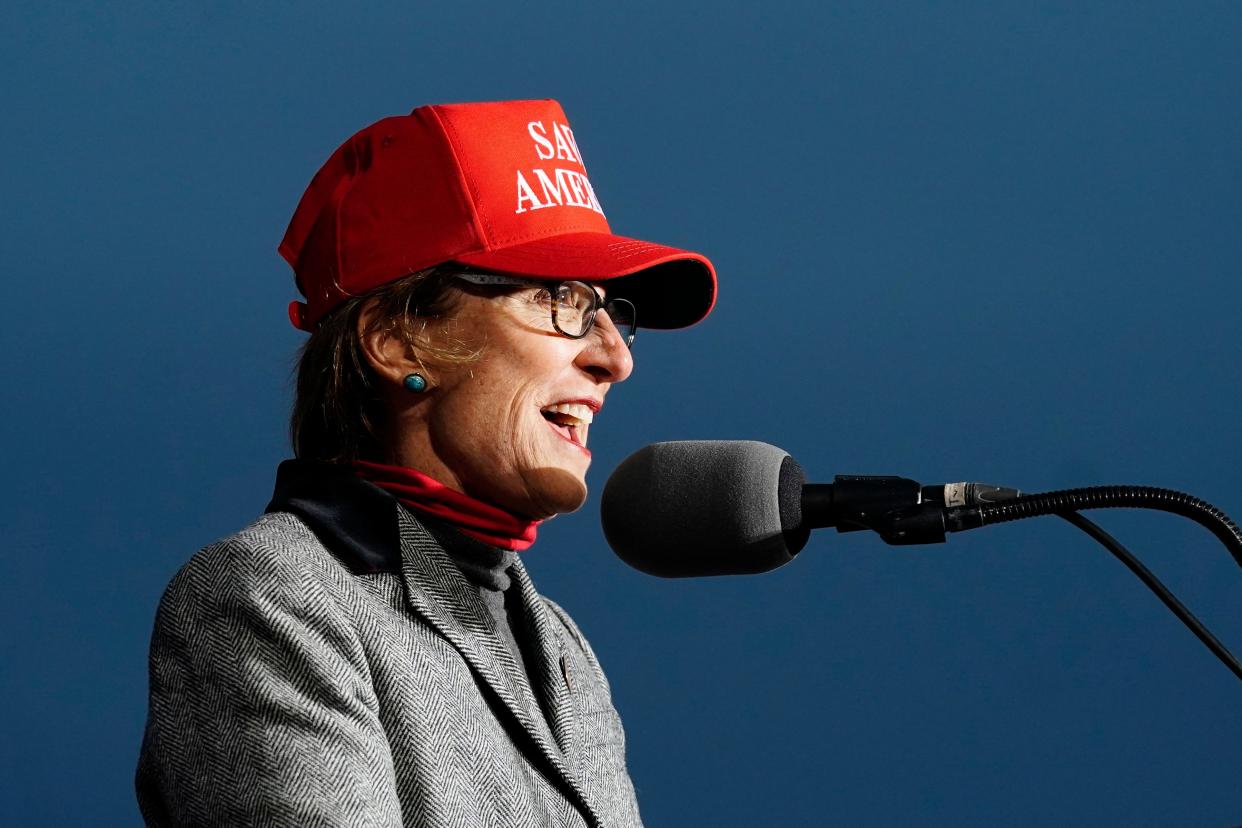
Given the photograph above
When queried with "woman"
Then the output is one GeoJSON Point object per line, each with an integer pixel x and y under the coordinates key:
{"type": "Point", "coordinates": [371, 651]}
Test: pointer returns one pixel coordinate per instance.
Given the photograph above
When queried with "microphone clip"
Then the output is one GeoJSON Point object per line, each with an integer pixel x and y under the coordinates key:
{"type": "Point", "coordinates": [892, 507]}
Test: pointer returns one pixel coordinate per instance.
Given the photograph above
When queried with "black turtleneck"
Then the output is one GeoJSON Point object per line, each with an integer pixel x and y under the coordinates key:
{"type": "Point", "coordinates": [486, 565]}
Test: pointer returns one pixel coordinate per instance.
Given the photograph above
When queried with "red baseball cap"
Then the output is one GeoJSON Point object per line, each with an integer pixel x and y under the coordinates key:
{"type": "Point", "coordinates": [499, 187]}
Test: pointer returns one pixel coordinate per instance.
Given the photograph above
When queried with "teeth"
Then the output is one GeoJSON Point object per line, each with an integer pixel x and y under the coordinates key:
{"type": "Point", "coordinates": [577, 411]}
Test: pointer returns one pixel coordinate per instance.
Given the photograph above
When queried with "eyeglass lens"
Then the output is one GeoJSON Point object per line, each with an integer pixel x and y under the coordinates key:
{"type": "Point", "coordinates": [621, 312]}
{"type": "Point", "coordinates": [574, 311]}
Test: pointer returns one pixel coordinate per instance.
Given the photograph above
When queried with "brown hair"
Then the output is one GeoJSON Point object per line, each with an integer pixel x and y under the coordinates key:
{"type": "Point", "coordinates": [338, 413]}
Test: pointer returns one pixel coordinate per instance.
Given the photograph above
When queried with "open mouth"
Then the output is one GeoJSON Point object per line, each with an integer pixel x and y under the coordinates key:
{"type": "Point", "coordinates": [570, 421]}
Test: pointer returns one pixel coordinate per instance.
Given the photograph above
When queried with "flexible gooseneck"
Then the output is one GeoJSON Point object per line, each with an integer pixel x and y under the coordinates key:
{"type": "Point", "coordinates": [1101, 497]}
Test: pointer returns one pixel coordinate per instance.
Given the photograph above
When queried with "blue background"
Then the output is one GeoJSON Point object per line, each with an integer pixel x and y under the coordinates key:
{"type": "Point", "coordinates": [986, 241]}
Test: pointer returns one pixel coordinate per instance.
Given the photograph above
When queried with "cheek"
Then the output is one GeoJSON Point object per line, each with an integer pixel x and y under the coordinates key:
{"type": "Point", "coordinates": [524, 425]}
{"type": "Point", "coordinates": [504, 415]}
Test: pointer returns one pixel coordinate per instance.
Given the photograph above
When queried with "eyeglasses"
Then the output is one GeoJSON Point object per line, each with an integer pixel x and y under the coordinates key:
{"type": "Point", "coordinates": [574, 304]}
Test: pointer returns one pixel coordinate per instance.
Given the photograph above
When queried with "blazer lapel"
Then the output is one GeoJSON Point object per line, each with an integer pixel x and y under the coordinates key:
{"type": "Point", "coordinates": [549, 665]}
{"type": "Point", "coordinates": [438, 592]}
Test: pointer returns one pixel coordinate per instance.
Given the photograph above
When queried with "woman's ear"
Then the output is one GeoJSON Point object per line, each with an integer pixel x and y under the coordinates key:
{"type": "Point", "coordinates": [384, 348]}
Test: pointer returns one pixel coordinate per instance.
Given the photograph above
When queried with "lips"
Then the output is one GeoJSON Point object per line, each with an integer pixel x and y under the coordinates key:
{"type": "Point", "coordinates": [571, 419]}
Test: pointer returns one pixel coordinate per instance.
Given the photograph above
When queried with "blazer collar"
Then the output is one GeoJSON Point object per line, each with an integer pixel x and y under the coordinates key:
{"type": "Point", "coordinates": [354, 519]}
{"type": "Point", "coordinates": [370, 532]}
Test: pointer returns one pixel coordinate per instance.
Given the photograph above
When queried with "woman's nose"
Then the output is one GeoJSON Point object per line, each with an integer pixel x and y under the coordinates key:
{"type": "Point", "coordinates": [606, 357]}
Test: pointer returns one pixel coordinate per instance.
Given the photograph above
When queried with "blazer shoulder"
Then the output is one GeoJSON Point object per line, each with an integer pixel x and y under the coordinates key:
{"type": "Point", "coordinates": [274, 534]}
{"type": "Point", "coordinates": [276, 554]}
{"type": "Point", "coordinates": [270, 537]}
{"type": "Point", "coordinates": [261, 706]}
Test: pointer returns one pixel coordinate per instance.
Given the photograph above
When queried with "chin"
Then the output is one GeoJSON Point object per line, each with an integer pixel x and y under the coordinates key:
{"type": "Point", "coordinates": [554, 491]}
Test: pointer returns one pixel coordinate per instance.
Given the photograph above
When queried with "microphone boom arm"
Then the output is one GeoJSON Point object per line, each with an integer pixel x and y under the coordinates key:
{"type": "Point", "coordinates": [902, 513]}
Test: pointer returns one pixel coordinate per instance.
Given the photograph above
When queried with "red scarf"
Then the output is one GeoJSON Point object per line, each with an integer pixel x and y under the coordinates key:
{"type": "Point", "coordinates": [480, 520]}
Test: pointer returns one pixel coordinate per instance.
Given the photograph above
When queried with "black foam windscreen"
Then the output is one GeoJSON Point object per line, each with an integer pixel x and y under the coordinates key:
{"type": "Point", "coordinates": [710, 507]}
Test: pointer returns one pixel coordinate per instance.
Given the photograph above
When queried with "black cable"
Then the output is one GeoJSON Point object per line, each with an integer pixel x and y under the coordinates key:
{"type": "Point", "coordinates": [1153, 583]}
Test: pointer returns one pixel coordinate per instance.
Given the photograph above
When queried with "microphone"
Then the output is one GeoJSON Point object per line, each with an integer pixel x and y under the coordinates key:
{"type": "Point", "coordinates": [711, 507]}
{"type": "Point", "coordinates": [726, 507]}
{"type": "Point", "coordinates": [695, 508]}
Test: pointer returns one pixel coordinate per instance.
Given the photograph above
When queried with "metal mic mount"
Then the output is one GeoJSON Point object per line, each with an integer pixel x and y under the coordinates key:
{"type": "Point", "coordinates": [901, 511]}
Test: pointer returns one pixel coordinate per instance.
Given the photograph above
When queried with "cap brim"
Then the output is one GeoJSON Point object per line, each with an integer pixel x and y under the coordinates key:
{"type": "Point", "coordinates": [670, 288]}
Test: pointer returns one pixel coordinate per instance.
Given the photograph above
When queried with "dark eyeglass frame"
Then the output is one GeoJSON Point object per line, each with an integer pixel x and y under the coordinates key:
{"type": "Point", "coordinates": [490, 279]}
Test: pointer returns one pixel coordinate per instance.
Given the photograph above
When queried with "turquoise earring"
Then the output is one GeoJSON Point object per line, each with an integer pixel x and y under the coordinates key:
{"type": "Point", "coordinates": [415, 383]}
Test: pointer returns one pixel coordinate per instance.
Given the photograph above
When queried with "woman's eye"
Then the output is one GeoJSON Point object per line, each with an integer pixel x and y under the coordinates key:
{"type": "Point", "coordinates": [568, 307]}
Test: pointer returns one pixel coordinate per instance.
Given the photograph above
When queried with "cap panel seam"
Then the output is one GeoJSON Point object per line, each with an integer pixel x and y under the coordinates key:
{"type": "Point", "coordinates": [664, 256]}
{"type": "Point", "coordinates": [547, 231]}
{"type": "Point", "coordinates": [625, 248]}
{"type": "Point", "coordinates": [482, 226]}
{"type": "Point", "coordinates": [336, 222]}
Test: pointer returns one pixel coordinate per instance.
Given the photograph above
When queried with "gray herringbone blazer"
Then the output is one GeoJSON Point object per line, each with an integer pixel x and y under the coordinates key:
{"type": "Point", "coordinates": [298, 681]}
